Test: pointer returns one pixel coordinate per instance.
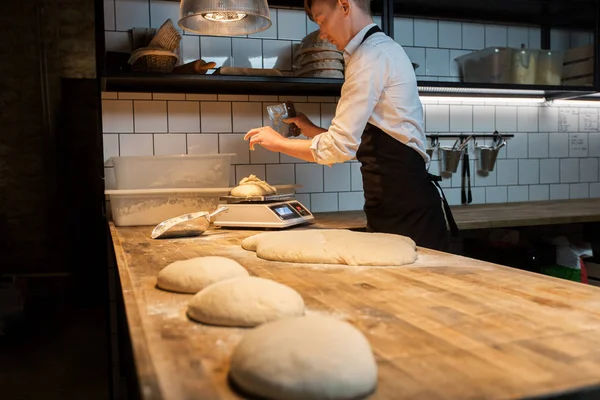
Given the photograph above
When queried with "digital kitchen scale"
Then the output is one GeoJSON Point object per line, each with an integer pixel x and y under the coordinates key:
{"type": "Point", "coordinates": [272, 211]}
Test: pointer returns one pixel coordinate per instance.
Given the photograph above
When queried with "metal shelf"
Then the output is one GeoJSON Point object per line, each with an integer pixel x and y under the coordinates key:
{"type": "Point", "coordinates": [286, 86]}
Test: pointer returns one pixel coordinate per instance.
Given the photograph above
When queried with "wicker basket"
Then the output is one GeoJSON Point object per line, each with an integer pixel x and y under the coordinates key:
{"type": "Point", "coordinates": [147, 59]}
{"type": "Point", "coordinates": [167, 37]}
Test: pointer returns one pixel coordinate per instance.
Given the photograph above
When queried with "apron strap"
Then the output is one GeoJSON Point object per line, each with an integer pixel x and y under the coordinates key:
{"type": "Point", "coordinates": [449, 217]}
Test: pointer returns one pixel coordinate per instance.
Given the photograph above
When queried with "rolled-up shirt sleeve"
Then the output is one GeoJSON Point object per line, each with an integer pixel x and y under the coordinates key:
{"type": "Point", "coordinates": [367, 71]}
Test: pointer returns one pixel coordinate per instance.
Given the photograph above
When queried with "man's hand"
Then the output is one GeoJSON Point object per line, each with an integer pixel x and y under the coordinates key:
{"type": "Point", "coordinates": [308, 129]}
{"type": "Point", "coordinates": [265, 136]}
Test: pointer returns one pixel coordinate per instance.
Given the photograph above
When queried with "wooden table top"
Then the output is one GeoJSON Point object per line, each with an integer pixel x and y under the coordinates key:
{"type": "Point", "coordinates": [446, 327]}
{"type": "Point", "coordinates": [487, 216]}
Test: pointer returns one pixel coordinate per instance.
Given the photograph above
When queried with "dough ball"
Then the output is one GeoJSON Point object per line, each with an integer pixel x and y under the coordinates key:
{"type": "Point", "coordinates": [245, 302]}
{"type": "Point", "coordinates": [333, 246]}
{"type": "Point", "coordinates": [310, 357]}
{"type": "Point", "coordinates": [193, 275]}
{"type": "Point", "coordinates": [252, 186]}
{"type": "Point", "coordinates": [251, 242]}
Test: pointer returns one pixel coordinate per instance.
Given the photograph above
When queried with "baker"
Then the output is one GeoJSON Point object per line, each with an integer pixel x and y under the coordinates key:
{"type": "Point", "coordinates": [378, 120]}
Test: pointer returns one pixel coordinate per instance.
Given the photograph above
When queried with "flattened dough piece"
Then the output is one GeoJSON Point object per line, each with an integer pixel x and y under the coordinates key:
{"type": "Point", "coordinates": [193, 275]}
{"type": "Point", "coordinates": [311, 357]}
{"type": "Point", "coordinates": [252, 186]}
{"type": "Point", "coordinates": [333, 246]}
{"type": "Point", "coordinates": [245, 302]}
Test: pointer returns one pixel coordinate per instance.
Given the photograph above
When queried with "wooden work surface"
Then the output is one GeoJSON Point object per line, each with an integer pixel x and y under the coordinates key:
{"type": "Point", "coordinates": [447, 327]}
{"type": "Point", "coordinates": [487, 216]}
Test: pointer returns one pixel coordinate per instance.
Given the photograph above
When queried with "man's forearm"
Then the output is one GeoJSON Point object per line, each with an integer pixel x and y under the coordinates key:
{"type": "Point", "coordinates": [312, 131]}
{"type": "Point", "coordinates": [297, 148]}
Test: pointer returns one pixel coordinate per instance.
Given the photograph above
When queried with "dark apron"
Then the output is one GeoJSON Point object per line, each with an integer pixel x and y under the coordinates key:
{"type": "Point", "coordinates": [400, 195]}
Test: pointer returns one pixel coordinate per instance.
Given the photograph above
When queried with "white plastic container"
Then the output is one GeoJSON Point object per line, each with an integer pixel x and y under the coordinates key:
{"type": "Point", "coordinates": [176, 171]}
{"type": "Point", "coordinates": [151, 207]}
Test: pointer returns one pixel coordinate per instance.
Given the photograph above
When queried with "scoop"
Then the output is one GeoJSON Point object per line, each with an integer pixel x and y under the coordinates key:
{"type": "Point", "coordinates": [192, 224]}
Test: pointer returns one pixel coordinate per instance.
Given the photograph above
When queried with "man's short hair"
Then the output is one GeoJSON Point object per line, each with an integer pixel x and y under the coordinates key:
{"type": "Point", "coordinates": [364, 5]}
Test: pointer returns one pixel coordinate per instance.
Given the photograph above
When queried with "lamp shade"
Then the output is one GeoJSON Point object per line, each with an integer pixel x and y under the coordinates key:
{"type": "Point", "coordinates": [224, 17]}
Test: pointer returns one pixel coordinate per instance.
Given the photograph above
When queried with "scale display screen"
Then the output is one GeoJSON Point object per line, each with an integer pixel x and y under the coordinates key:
{"type": "Point", "coordinates": [284, 211]}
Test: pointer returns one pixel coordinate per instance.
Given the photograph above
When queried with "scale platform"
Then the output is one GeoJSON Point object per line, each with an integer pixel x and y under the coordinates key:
{"type": "Point", "coordinates": [272, 211]}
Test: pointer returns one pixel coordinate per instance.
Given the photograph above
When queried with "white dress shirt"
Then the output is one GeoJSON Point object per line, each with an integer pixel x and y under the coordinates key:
{"type": "Point", "coordinates": [380, 88]}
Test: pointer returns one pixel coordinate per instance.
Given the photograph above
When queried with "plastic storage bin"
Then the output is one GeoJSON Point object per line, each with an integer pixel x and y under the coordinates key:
{"type": "Point", "coordinates": [524, 66]}
{"type": "Point", "coordinates": [151, 207]}
{"type": "Point", "coordinates": [549, 67]}
{"type": "Point", "coordinates": [491, 65]}
{"type": "Point", "coordinates": [176, 171]}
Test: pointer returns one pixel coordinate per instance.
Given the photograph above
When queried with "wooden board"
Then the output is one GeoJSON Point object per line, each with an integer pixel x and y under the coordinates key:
{"type": "Point", "coordinates": [487, 216]}
{"type": "Point", "coordinates": [447, 327]}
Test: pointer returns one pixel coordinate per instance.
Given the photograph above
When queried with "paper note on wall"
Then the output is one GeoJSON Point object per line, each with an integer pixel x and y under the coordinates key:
{"type": "Point", "coordinates": [578, 145]}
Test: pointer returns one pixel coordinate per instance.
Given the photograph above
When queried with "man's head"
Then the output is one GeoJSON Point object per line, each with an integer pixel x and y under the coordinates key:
{"type": "Point", "coordinates": [339, 20]}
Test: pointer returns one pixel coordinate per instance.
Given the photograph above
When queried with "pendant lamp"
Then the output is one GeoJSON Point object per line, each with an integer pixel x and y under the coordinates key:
{"type": "Point", "coordinates": [224, 17]}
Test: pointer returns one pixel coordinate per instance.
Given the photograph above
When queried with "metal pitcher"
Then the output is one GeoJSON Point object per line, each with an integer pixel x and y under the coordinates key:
{"type": "Point", "coordinates": [450, 158]}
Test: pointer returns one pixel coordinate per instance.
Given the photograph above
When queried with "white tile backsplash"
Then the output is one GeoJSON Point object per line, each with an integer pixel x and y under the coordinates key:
{"type": "Point", "coordinates": [506, 118]}
{"type": "Point", "coordinates": [281, 174]}
{"type": "Point", "coordinates": [539, 192]}
{"type": "Point", "coordinates": [324, 202]}
{"type": "Point", "coordinates": [518, 35]}
{"type": "Point", "coordinates": [161, 10]}
{"type": "Point", "coordinates": [131, 14]}
{"type": "Point", "coordinates": [109, 15]}
{"type": "Point", "coordinates": [310, 176]}
{"type": "Point", "coordinates": [277, 54]}
{"type": "Point", "coordinates": [215, 116]}
{"type": "Point", "coordinates": [110, 146]}
{"type": "Point", "coordinates": [437, 118]}
{"type": "Point", "coordinates": [247, 53]}
{"type": "Point", "coordinates": [484, 119]}
{"type": "Point", "coordinates": [216, 49]}
{"type": "Point", "coordinates": [235, 143]}
{"type": "Point", "coordinates": [558, 145]}
{"type": "Point", "coordinates": [337, 178]}
{"type": "Point", "coordinates": [529, 172]}
{"type": "Point", "coordinates": [594, 190]}
{"type": "Point", "coordinates": [538, 145]}
{"type": "Point", "coordinates": [260, 155]}
{"type": "Point", "coordinates": [496, 35]}
{"type": "Point", "coordinates": [417, 56]}
{"type": "Point", "coordinates": [118, 41]}
{"type": "Point", "coordinates": [527, 119]}
{"type": "Point", "coordinates": [569, 170]}
{"type": "Point", "coordinates": [271, 32]}
{"type": "Point", "coordinates": [461, 118]}
{"type": "Point", "coordinates": [579, 191]}
{"type": "Point", "coordinates": [450, 35]}
{"type": "Point", "coordinates": [246, 116]}
{"type": "Point", "coordinates": [203, 143]}
{"type": "Point", "coordinates": [117, 116]}
{"type": "Point", "coordinates": [518, 193]}
{"type": "Point", "coordinates": [548, 119]}
{"type": "Point", "coordinates": [183, 116]}
{"type": "Point", "coordinates": [517, 146]}
{"type": "Point", "coordinates": [507, 172]}
{"type": "Point", "coordinates": [351, 201]}
{"type": "Point", "coordinates": [136, 144]}
{"type": "Point", "coordinates": [190, 48]}
{"type": "Point", "coordinates": [578, 145]}
{"type": "Point", "coordinates": [559, 192]}
{"type": "Point", "coordinates": [426, 33]}
{"type": "Point", "coordinates": [496, 194]}
{"type": "Point", "coordinates": [404, 31]}
{"type": "Point", "coordinates": [550, 170]}
{"type": "Point", "coordinates": [437, 62]}
{"type": "Point", "coordinates": [356, 183]}
{"type": "Point", "coordinates": [594, 144]}
{"type": "Point", "coordinates": [588, 170]}
{"type": "Point", "coordinates": [473, 36]}
{"type": "Point", "coordinates": [150, 116]}
{"type": "Point", "coordinates": [170, 144]}
{"type": "Point", "coordinates": [291, 24]}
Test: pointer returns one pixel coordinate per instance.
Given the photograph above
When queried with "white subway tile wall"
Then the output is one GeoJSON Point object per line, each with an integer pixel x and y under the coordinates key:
{"type": "Point", "coordinates": [544, 160]}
